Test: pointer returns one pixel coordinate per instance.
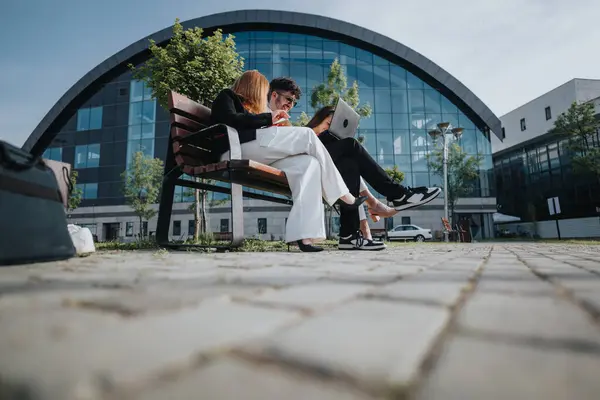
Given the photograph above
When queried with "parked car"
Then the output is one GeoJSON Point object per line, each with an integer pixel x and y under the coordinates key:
{"type": "Point", "coordinates": [409, 232]}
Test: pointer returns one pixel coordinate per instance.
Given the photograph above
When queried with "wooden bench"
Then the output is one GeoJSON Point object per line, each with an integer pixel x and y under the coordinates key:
{"type": "Point", "coordinates": [380, 234]}
{"type": "Point", "coordinates": [189, 152]}
{"type": "Point", "coordinates": [448, 229]}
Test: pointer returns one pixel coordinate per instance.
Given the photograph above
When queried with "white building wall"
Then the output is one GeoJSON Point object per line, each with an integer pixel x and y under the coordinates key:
{"type": "Point", "coordinates": [559, 100]}
{"type": "Point", "coordinates": [569, 228]}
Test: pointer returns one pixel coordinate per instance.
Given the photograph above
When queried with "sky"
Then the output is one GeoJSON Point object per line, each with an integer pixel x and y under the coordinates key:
{"type": "Point", "coordinates": [507, 52]}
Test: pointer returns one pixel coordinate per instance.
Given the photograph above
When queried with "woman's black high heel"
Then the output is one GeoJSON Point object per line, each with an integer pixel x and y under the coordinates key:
{"type": "Point", "coordinates": [343, 205]}
{"type": "Point", "coordinates": [308, 248]}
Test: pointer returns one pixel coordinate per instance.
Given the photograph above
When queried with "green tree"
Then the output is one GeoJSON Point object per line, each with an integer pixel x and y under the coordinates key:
{"type": "Point", "coordinates": [141, 185]}
{"type": "Point", "coordinates": [197, 67]}
{"type": "Point", "coordinates": [76, 194]}
{"type": "Point", "coordinates": [201, 197]}
{"type": "Point", "coordinates": [394, 173]}
{"type": "Point", "coordinates": [326, 94]}
{"type": "Point", "coordinates": [463, 171]}
{"type": "Point", "coordinates": [580, 125]}
{"type": "Point", "coordinates": [192, 65]}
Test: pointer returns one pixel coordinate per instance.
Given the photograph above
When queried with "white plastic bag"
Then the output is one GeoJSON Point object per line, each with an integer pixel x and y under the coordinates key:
{"type": "Point", "coordinates": [82, 239]}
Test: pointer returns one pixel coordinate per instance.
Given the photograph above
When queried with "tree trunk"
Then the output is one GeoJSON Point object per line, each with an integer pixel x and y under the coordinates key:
{"type": "Point", "coordinates": [141, 228]}
{"type": "Point", "coordinates": [196, 215]}
{"type": "Point", "coordinates": [203, 214]}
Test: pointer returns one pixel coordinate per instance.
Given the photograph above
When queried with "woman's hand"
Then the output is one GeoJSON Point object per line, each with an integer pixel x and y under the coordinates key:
{"type": "Point", "coordinates": [279, 114]}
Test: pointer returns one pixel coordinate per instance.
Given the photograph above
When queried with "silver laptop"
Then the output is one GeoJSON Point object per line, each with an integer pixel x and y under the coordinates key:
{"type": "Point", "coordinates": [345, 121]}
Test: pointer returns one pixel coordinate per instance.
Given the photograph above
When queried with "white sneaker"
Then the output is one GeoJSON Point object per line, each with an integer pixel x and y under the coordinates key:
{"type": "Point", "coordinates": [358, 242]}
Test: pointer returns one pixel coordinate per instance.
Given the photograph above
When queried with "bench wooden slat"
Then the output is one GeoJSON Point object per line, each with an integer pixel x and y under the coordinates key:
{"type": "Point", "coordinates": [182, 105]}
{"type": "Point", "coordinates": [186, 123]}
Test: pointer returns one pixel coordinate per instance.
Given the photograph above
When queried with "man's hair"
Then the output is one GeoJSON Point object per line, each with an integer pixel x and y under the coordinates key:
{"type": "Point", "coordinates": [285, 85]}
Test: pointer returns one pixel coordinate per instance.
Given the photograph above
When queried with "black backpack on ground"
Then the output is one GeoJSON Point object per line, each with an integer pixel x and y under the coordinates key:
{"type": "Point", "coordinates": [33, 224]}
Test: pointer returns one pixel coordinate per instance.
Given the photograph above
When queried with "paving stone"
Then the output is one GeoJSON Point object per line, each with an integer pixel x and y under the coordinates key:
{"type": "Point", "coordinates": [136, 348]}
{"type": "Point", "coordinates": [471, 368]}
{"type": "Point", "coordinates": [543, 318]}
{"type": "Point", "coordinates": [275, 276]}
{"type": "Point", "coordinates": [431, 291]}
{"type": "Point", "coordinates": [513, 281]}
{"type": "Point", "coordinates": [376, 342]}
{"type": "Point", "coordinates": [250, 382]}
{"type": "Point", "coordinates": [313, 296]}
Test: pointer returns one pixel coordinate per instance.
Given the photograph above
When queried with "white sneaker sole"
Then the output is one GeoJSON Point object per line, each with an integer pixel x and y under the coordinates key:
{"type": "Point", "coordinates": [352, 247]}
{"type": "Point", "coordinates": [413, 205]}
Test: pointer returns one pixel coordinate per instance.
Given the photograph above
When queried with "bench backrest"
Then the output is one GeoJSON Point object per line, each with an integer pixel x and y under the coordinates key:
{"type": "Point", "coordinates": [446, 224]}
{"type": "Point", "coordinates": [188, 116]}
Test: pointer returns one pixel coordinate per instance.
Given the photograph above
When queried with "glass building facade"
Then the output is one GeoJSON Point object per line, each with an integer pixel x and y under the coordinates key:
{"type": "Point", "coordinates": [527, 175]}
{"type": "Point", "coordinates": [121, 118]}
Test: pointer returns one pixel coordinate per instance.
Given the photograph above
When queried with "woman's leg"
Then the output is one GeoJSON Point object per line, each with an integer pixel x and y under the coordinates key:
{"type": "Point", "coordinates": [306, 219]}
{"type": "Point", "coordinates": [280, 142]}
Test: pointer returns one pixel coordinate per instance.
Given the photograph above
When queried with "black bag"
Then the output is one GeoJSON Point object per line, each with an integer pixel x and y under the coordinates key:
{"type": "Point", "coordinates": [33, 224]}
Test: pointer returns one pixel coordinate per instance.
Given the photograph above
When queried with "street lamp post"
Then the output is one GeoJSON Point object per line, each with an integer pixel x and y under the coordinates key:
{"type": "Point", "coordinates": [441, 130]}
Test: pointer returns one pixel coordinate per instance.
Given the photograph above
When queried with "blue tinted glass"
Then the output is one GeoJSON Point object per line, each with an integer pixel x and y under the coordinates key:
{"type": "Point", "coordinates": [297, 51]}
{"type": "Point", "coordinates": [380, 61]}
{"type": "Point", "coordinates": [367, 123]}
{"type": "Point", "coordinates": [385, 142]}
{"type": "Point", "coordinates": [96, 118]}
{"type": "Point", "coordinates": [315, 75]}
{"type": "Point", "coordinates": [370, 142]}
{"type": "Point", "coordinates": [483, 144]}
{"type": "Point", "coordinates": [281, 52]}
{"type": "Point", "coordinates": [91, 191]}
{"type": "Point", "coordinates": [398, 76]}
{"type": "Point", "coordinates": [149, 112]}
{"type": "Point", "coordinates": [314, 51]}
{"type": "Point", "coordinates": [136, 91]}
{"type": "Point", "coordinates": [402, 141]}
{"type": "Point", "coordinates": [281, 70]}
{"type": "Point", "coordinates": [404, 164]}
{"type": "Point", "coordinates": [399, 101]}
{"type": "Point", "coordinates": [413, 81]}
{"type": "Point", "coordinates": [432, 102]}
{"type": "Point", "coordinates": [147, 130]}
{"type": "Point", "coordinates": [263, 35]}
{"type": "Point", "coordinates": [364, 73]}
{"type": "Point", "coordinates": [331, 51]}
{"type": "Point", "coordinates": [420, 179]}
{"type": "Point", "coordinates": [465, 122]}
{"type": "Point", "coordinates": [134, 132]}
{"type": "Point", "coordinates": [298, 71]}
{"type": "Point", "coordinates": [452, 118]}
{"type": "Point", "coordinates": [347, 54]}
{"type": "Point", "coordinates": [433, 120]}
{"type": "Point", "coordinates": [261, 52]}
{"type": "Point", "coordinates": [416, 103]}
{"type": "Point", "coordinates": [81, 156]}
{"type": "Point", "coordinates": [147, 92]}
{"type": "Point", "coordinates": [383, 121]}
{"type": "Point", "coordinates": [81, 187]}
{"type": "Point", "coordinates": [93, 155]}
{"type": "Point", "coordinates": [135, 113]}
{"type": "Point", "coordinates": [83, 119]}
{"type": "Point", "coordinates": [400, 121]}
{"type": "Point", "coordinates": [381, 76]}
{"type": "Point", "coordinates": [468, 141]}
{"type": "Point", "coordinates": [383, 102]}
{"type": "Point", "coordinates": [448, 107]}
{"type": "Point", "coordinates": [364, 56]}
{"type": "Point", "coordinates": [266, 69]}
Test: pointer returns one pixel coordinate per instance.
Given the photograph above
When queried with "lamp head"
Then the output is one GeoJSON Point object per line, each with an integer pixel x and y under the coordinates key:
{"type": "Point", "coordinates": [434, 133]}
{"type": "Point", "coordinates": [443, 125]}
{"type": "Point", "coordinates": [457, 132]}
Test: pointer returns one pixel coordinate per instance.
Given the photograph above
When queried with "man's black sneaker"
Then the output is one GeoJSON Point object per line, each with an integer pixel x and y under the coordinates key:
{"type": "Point", "coordinates": [358, 242]}
{"type": "Point", "coordinates": [414, 197]}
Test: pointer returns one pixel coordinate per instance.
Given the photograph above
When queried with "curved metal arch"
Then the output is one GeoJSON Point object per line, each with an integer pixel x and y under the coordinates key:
{"type": "Point", "coordinates": [241, 20]}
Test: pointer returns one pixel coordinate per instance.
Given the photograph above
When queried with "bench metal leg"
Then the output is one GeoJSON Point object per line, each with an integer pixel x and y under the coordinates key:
{"type": "Point", "coordinates": [165, 207]}
{"type": "Point", "coordinates": [237, 215]}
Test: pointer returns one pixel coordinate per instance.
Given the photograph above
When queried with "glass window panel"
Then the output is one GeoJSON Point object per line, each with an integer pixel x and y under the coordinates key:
{"type": "Point", "coordinates": [91, 191]}
{"type": "Point", "coordinates": [399, 101]}
{"type": "Point", "coordinates": [367, 122]}
{"type": "Point", "coordinates": [435, 180]}
{"type": "Point", "coordinates": [281, 52]}
{"type": "Point", "coordinates": [136, 91]}
{"type": "Point", "coordinates": [243, 48]}
{"type": "Point", "coordinates": [468, 141]}
{"type": "Point", "coordinates": [147, 131]}
{"type": "Point", "coordinates": [413, 82]}
{"type": "Point", "coordinates": [350, 71]}
{"type": "Point", "coordinates": [314, 74]}
{"type": "Point", "coordinates": [432, 120]}
{"type": "Point", "coordinates": [420, 179]}
{"type": "Point", "coordinates": [384, 159]}
{"type": "Point", "coordinates": [96, 118]}
{"type": "Point", "coordinates": [417, 121]}
{"type": "Point", "coordinates": [263, 35]}
{"type": "Point", "coordinates": [347, 54]}
{"type": "Point", "coordinates": [298, 73]}
{"type": "Point", "coordinates": [380, 61]}
{"type": "Point", "coordinates": [93, 155]}
{"type": "Point", "coordinates": [465, 122]}
{"type": "Point", "coordinates": [314, 51]}
{"type": "Point", "coordinates": [432, 102]}
{"type": "Point", "coordinates": [553, 155]}
{"type": "Point", "coordinates": [83, 119]}
{"type": "Point", "coordinates": [369, 142]}
{"type": "Point", "coordinates": [281, 70]}
{"type": "Point", "coordinates": [402, 141]}
{"type": "Point", "coordinates": [398, 76]}
{"type": "Point", "coordinates": [400, 121]}
{"type": "Point", "coordinates": [81, 187]}
{"type": "Point", "coordinates": [147, 92]}
{"type": "Point", "coordinates": [331, 51]}
{"type": "Point", "coordinates": [381, 76]}
{"type": "Point", "coordinates": [383, 121]}
{"type": "Point", "coordinates": [365, 56]}
{"type": "Point", "coordinates": [416, 102]}
{"type": "Point", "coordinates": [147, 147]}
{"type": "Point", "coordinates": [483, 143]}
{"type": "Point", "coordinates": [385, 142]}
{"type": "Point", "coordinates": [404, 164]}
{"type": "Point", "coordinates": [135, 113]}
{"type": "Point", "coordinates": [149, 112]}
{"type": "Point", "coordinates": [298, 51]}
{"type": "Point", "coordinates": [132, 148]}
{"type": "Point", "coordinates": [134, 132]}
{"type": "Point", "coordinates": [452, 118]}
{"type": "Point", "coordinates": [448, 107]}
{"type": "Point", "coordinates": [81, 156]}
{"type": "Point", "coordinates": [266, 69]}
{"type": "Point", "coordinates": [383, 102]}
{"type": "Point", "coordinates": [364, 75]}
{"type": "Point", "coordinates": [262, 52]}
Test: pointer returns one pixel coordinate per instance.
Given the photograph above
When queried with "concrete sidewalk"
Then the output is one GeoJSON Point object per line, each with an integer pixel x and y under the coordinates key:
{"type": "Point", "coordinates": [431, 321]}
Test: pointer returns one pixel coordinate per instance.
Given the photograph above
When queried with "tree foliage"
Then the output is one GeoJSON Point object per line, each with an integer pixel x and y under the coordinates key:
{"type": "Point", "coordinates": [326, 94]}
{"type": "Point", "coordinates": [394, 173]}
{"type": "Point", "coordinates": [141, 185]}
{"type": "Point", "coordinates": [196, 67]}
{"type": "Point", "coordinates": [463, 171]}
{"type": "Point", "coordinates": [76, 193]}
{"type": "Point", "coordinates": [581, 126]}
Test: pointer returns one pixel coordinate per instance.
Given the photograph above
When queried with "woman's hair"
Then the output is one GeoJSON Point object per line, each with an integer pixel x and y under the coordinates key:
{"type": "Point", "coordinates": [320, 116]}
{"type": "Point", "coordinates": [253, 88]}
